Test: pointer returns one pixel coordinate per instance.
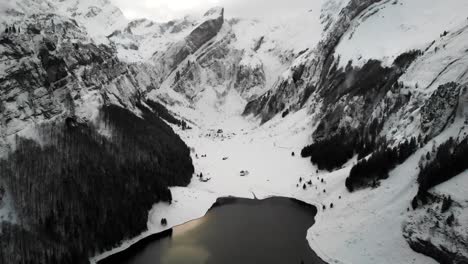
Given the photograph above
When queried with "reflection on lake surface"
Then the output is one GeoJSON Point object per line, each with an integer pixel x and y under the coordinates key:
{"type": "Point", "coordinates": [237, 231]}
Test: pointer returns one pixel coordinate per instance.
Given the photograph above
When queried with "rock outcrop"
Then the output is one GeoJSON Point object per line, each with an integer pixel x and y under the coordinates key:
{"type": "Point", "coordinates": [59, 72]}
{"type": "Point", "coordinates": [440, 109]}
{"type": "Point", "coordinates": [290, 93]}
{"type": "Point", "coordinates": [439, 233]}
{"type": "Point", "coordinates": [76, 135]}
{"type": "Point", "coordinates": [212, 22]}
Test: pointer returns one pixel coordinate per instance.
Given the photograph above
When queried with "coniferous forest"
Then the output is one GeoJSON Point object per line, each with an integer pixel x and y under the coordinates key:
{"type": "Point", "coordinates": [331, 153]}
{"type": "Point", "coordinates": [368, 172]}
{"type": "Point", "coordinates": [440, 165]}
{"type": "Point", "coordinates": [335, 151]}
{"type": "Point", "coordinates": [81, 191]}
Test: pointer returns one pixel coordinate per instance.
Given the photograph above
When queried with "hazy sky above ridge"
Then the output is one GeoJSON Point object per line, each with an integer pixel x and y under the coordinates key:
{"type": "Point", "coordinates": [165, 10]}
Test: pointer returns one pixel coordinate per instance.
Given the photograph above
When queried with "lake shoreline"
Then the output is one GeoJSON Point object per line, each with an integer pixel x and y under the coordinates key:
{"type": "Point", "coordinates": [133, 248]}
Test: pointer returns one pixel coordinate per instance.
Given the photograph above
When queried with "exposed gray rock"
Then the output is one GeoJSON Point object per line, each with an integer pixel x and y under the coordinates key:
{"type": "Point", "coordinates": [49, 76]}
{"type": "Point", "coordinates": [440, 109]}
{"type": "Point", "coordinates": [428, 231]}
{"type": "Point", "coordinates": [292, 94]}
{"type": "Point", "coordinates": [208, 29]}
{"type": "Point", "coordinates": [249, 76]}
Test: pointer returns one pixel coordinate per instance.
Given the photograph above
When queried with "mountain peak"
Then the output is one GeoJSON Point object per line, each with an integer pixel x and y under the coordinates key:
{"type": "Point", "coordinates": [215, 12]}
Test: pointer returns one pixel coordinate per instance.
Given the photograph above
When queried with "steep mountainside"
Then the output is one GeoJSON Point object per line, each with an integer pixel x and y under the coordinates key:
{"type": "Point", "coordinates": [76, 136]}
{"type": "Point", "coordinates": [88, 13]}
{"type": "Point", "coordinates": [374, 90]}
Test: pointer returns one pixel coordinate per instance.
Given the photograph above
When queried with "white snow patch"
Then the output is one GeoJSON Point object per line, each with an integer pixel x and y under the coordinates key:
{"type": "Point", "coordinates": [398, 26]}
{"type": "Point", "coordinates": [363, 227]}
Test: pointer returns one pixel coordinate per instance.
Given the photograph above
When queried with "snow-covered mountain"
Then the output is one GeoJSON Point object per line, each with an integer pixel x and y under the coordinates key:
{"type": "Point", "coordinates": [355, 80]}
{"type": "Point", "coordinates": [99, 17]}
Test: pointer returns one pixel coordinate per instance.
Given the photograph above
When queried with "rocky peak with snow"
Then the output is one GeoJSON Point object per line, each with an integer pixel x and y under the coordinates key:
{"type": "Point", "coordinates": [339, 62]}
{"type": "Point", "coordinates": [208, 28]}
{"type": "Point", "coordinates": [52, 69]}
{"type": "Point", "coordinates": [98, 17]}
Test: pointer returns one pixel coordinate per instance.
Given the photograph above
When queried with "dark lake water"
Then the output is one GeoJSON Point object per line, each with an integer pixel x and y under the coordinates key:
{"type": "Point", "coordinates": [234, 231]}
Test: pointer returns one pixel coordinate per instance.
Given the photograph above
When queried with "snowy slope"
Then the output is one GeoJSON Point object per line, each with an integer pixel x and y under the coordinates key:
{"type": "Point", "coordinates": [12, 11]}
{"type": "Point", "coordinates": [392, 27]}
{"type": "Point", "coordinates": [141, 39]}
{"type": "Point", "coordinates": [265, 49]}
{"type": "Point", "coordinates": [365, 226]}
{"type": "Point", "coordinates": [99, 17]}
{"type": "Point", "coordinates": [211, 84]}
{"type": "Point", "coordinates": [444, 61]}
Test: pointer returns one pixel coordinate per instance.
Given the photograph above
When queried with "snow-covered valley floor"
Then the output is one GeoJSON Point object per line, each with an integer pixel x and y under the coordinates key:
{"type": "Point", "coordinates": [362, 227]}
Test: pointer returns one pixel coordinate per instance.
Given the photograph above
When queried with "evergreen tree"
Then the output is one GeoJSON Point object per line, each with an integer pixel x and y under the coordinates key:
{"type": "Point", "coordinates": [448, 161]}
{"type": "Point", "coordinates": [68, 188]}
{"type": "Point", "coordinates": [368, 172]}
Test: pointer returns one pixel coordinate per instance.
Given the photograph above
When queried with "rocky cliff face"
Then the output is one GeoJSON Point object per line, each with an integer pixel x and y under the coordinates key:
{"type": "Point", "coordinates": [209, 28]}
{"type": "Point", "coordinates": [436, 230]}
{"type": "Point", "coordinates": [60, 68]}
{"type": "Point", "coordinates": [63, 95]}
{"type": "Point", "coordinates": [87, 14]}
{"type": "Point", "coordinates": [372, 95]}
{"type": "Point", "coordinates": [307, 75]}
{"type": "Point", "coordinates": [440, 109]}
{"type": "Point", "coordinates": [52, 68]}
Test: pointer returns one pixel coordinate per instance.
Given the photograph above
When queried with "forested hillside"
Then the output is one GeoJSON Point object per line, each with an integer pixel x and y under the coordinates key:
{"type": "Point", "coordinates": [86, 187]}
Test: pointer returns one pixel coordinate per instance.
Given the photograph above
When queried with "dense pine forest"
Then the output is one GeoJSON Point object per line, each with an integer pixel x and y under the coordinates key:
{"type": "Point", "coordinates": [163, 113]}
{"type": "Point", "coordinates": [85, 188]}
{"type": "Point", "coordinates": [368, 172]}
{"type": "Point", "coordinates": [440, 165]}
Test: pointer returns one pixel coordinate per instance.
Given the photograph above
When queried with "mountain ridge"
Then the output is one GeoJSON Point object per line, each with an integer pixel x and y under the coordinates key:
{"type": "Point", "coordinates": [214, 71]}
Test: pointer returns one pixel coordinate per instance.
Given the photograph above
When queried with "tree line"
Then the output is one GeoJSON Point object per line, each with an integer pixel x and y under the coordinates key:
{"type": "Point", "coordinates": [333, 152]}
{"type": "Point", "coordinates": [81, 192]}
{"type": "Point", "coordinates": [163, 113]}
{"type": "Point", "coordinates": [368, 172]}
{"type": "Point", "coordinates": [12, 29]}
{"type": "Point", "coordinates": [372, 82]}
{"type": "Point", "coordinates": [442, 164]}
